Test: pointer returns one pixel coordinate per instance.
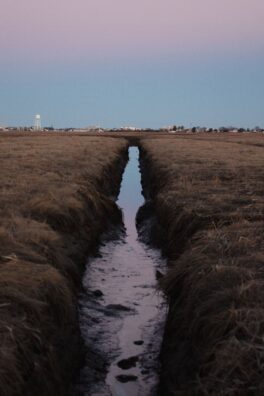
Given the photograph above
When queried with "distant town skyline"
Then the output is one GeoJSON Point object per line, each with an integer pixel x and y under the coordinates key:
{"type": "Point", "coordinates": [142, 63]}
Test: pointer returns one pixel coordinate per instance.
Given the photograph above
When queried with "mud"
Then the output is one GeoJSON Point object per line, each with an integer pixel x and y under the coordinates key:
{"type": "Point", "coordinates": [122, 313]}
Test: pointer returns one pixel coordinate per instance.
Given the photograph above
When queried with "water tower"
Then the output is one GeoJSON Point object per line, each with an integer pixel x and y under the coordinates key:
{"type": "Point", "coordinates": [37, 123]}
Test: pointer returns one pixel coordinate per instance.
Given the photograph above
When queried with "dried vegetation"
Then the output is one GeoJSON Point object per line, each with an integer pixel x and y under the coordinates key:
{"type": "Point", "coordinates": [55, 201]}
{"type": "Point", "coordinates": [208, 194]}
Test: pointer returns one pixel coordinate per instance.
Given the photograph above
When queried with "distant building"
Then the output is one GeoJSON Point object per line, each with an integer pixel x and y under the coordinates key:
{"type": "Point", "coordinates": [129, 128]}
{"type": "Point", "coordinates": [37, 123]}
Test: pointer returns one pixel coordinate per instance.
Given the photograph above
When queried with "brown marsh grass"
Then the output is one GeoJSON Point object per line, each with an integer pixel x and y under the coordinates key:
{"type": "Point", "coordinates": [209, 199]}
{"type": "Point", "coordinates": [55, 201]}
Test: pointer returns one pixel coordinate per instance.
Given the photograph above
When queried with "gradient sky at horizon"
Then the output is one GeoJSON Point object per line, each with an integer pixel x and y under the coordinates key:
{"type": "Point", "coordinates": [143, 63]}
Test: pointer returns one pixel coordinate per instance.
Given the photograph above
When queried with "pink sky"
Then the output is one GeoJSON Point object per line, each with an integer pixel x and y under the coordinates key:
{"type": "Point", "coordinates": [92, 29]}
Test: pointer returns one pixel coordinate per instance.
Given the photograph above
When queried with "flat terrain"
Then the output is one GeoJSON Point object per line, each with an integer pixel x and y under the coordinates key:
{"type": "Point", "coordinates": [205, 194]}
{"type": "Point", "coordinates": [55, 202]}
{"type": "Point", "coordinates": [208, 195]}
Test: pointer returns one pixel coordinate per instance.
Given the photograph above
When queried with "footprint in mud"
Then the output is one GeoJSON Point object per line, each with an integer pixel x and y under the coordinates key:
{"type": "Point", "coordinates": [126, 364]}
{"type": "Point", "coordinates": [139, 342]}
{"type": "Point", "coordinates": [116, 310]}
{"type": "Point", "coordinates": [126, 378]}
{"type": "Point", "coordinates": [98, 293]}
{"type": "Point", "coordinates": [119, 307]}
{"type": "Point", "coordinates": [144, 286]}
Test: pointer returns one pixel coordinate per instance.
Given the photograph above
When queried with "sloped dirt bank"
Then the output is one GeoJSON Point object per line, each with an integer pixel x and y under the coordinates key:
{"type": "Point", "coordinates": [57, 198]}
{"type": "Point", "coordinates": [208, 217]}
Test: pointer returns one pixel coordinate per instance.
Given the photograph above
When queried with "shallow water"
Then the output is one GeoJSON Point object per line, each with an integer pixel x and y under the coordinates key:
{"type": "Point", "coordinates": [121, 312]}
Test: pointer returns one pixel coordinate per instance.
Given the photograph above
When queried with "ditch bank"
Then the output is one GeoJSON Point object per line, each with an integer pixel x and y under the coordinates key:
{"type": "Point", "coordinates": [42, 257]}
{"type": "Point", "coordinates": [213, 336]}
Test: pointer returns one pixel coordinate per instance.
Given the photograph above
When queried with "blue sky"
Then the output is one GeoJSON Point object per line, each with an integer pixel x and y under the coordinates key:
{"type": "Point", "coordinates": [214, 91]}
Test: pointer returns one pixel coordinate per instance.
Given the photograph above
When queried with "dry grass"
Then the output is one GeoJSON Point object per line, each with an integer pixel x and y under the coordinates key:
{"type": "Point", "coordinates": [55, 201]}
{"type": "Point", "coordinates": [208, 196]}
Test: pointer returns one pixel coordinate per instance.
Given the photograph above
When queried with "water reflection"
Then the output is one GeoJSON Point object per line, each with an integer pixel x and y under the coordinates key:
{"type": "Point", "coordinates": [130, 197]}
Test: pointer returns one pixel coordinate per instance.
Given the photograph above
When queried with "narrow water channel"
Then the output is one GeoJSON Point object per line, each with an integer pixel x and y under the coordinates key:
{"type": "Point", "coordinates": [121, 311]}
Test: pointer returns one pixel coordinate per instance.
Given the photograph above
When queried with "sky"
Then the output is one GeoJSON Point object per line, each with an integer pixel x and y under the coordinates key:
{"type": "Point", "coordinates": [145, 63]}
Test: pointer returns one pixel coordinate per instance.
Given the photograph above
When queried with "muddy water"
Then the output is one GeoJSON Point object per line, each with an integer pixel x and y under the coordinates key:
{"type": "Point", "coordinates": [121, 312]}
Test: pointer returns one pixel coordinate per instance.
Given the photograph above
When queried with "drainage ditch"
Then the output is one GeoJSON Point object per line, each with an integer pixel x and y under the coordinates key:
{"type": "Point", "coordinates": [122, 314]}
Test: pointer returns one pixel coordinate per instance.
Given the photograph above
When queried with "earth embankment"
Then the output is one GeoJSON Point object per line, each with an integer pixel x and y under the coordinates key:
{"type": "Point", "coordinates": [208, 202]}
{"type": "Point", "coordinates": [57, 198]}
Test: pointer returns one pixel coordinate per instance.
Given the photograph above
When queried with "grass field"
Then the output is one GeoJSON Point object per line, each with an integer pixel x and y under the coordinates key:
{"type": "Point", "coordinates": [55, 202]}
{"type": "Point", "coordinates": [206, 192]}
{"type": "Point", "coordinates": [208, 195]}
